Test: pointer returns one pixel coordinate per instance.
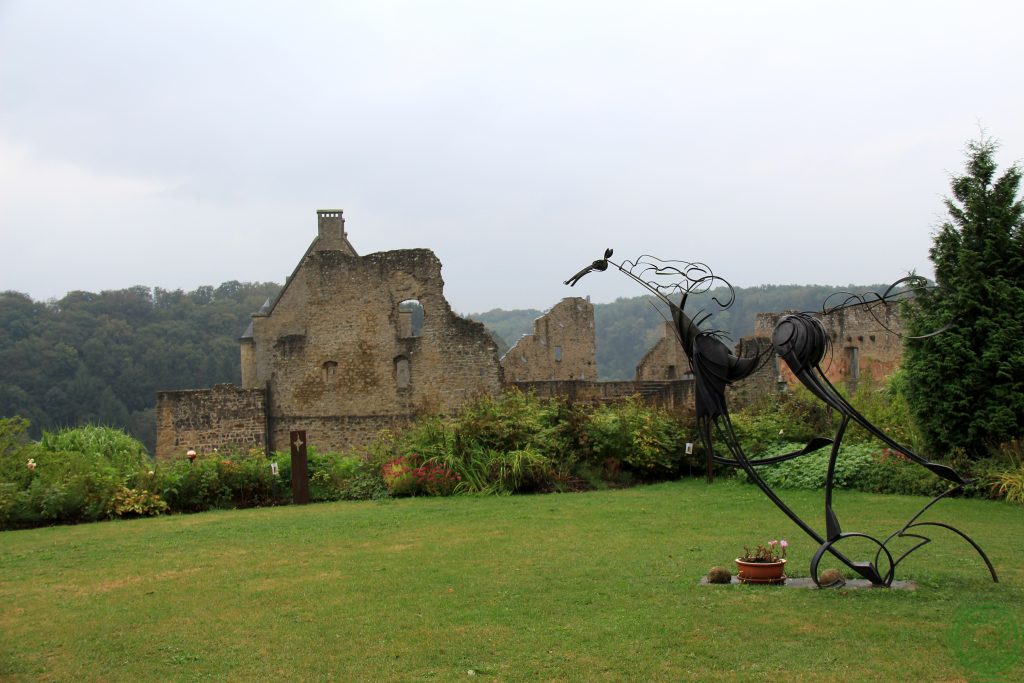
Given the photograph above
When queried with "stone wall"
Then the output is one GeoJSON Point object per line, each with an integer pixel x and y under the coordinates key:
{"type": "Point", "coordinates": [863, 342]}
{"type": "Point", "coordinates": [764, 382]}
{"type": "Point", "coordinates": [665, 360]}
{"type": "Point", "coordinates": [339, 432]}
{"type": "Point", "coordinates": [562, 346]}
{"type": "Point", "coordinates": [221, 418]}
{"type": "Point", "coordinates": [676, 396]}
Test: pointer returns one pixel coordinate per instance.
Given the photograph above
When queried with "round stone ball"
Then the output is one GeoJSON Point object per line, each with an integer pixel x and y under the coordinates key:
{"type": "Point", "coordinates": [719, 575]}
{"type": "Point", "coordinates": [831, 578]}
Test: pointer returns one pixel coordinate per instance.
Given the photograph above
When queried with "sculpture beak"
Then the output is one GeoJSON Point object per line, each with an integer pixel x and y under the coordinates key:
{"type": "Point", "coordinates": [578, 276]}
{"type": "Point", "coordinates": [600, 264]}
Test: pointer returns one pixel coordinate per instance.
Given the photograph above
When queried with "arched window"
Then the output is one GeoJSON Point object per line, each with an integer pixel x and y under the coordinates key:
{"type": "Point", "coordinates": [329, 370]}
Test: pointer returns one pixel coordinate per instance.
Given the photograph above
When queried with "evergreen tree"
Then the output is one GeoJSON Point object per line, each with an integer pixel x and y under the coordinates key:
{"type": "Point", "coordinates": [966, 385]}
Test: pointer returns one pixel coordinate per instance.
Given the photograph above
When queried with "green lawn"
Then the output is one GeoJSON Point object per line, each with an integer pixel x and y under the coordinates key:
{"type": "Point", "coordinates": [576, 587]}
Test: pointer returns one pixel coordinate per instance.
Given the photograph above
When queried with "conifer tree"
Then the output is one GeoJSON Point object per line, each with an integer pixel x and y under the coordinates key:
{"type": "Point", "coordinates": [965, 386]}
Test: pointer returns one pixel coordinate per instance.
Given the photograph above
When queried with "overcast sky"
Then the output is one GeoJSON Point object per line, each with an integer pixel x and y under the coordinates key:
{"type": "Point", "coordinates": [177, 144]}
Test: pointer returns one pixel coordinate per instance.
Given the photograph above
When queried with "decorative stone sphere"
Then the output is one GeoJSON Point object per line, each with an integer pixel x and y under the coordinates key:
{"type": "Point", "coordinates": [831, 578]}
{"type": "Point", "coordinates": [719, 575]}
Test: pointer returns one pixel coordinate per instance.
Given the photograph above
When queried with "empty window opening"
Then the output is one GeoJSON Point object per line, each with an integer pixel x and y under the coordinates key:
{"type": "Point", "coordinates": [329, 370]}
{"type": "Point", "coordinates": [854, 362]}
{"type": "Point", "coordinates": [670, 372]}
{"type": "Point", "coordinates": [291, 346]}
{"type": "Point", "coordinates": [558, 353]}
{"type": "Point", "coordinates": [410, 318]}
{"type": "Point", "coordinates": [403, 375]}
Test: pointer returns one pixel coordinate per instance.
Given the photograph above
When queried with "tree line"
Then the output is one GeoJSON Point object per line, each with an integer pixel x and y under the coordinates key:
{"type": "Point", "coordinates": [101, 358]}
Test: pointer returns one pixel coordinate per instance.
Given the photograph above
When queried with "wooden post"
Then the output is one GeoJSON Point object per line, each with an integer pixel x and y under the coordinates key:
{"type": "Point", "coordinates": [300, 468]}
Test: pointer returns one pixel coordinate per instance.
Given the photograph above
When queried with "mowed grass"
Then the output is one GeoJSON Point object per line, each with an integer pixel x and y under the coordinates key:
{"type": "Point", "coordinates": [576, 587]}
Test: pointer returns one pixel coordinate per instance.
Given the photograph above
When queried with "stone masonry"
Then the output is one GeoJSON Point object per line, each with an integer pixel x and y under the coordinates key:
{"type": "Point", "coordinates": [334, 355]}
{"type": "Point", "coordinates": [863, 343]}
{"type": "Point", "coordinates": [222, 418]}
{"type": "Point", "coordinates": [665, 360]}
{"type": "Point", "coordinates": [562, 346]}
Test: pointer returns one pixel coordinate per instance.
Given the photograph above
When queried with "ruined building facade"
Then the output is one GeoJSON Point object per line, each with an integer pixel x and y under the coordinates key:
{"type": "Point", "coordinates": [665, 360]}
{"type": "Point", "coordinates": [335, 354]}
{"type": "Point", "coordinates": [338, 354]}
{"type": "Point", "coordinates": [562, 346]}
{"type": "Point", "coordinates": [865, 343]}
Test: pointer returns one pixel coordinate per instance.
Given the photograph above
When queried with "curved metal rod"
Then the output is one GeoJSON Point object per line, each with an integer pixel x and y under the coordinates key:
{"type": "Point", "coordinates": [871, 300]}
{"type": "Point", "coordinates": [866, 569]}
{"type": "Point", "coordinates": [924, 541]}
{"type": "Point", "coordinates": [832, 528]}
{"type": "Point", "coordinates": [813, 446]}
{"type": "Point", "coordinates": [977, 548]}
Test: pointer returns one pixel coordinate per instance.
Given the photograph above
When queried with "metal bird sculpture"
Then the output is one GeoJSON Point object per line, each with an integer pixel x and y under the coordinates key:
{"type": "Point", "coordinates": [599, 265]}
{"type": "Point", "coordinates": [801, 342]}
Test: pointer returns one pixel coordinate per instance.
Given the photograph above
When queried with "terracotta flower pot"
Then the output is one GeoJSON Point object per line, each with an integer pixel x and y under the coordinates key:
{"type": "Point", "coordinates": [761, 572]}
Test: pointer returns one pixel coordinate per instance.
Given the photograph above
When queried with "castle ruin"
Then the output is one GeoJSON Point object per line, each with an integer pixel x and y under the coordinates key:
{"type": "Point", "coordinates": [355, 344]}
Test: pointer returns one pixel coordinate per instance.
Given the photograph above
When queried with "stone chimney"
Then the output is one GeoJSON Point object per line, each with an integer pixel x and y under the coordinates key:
{"type": "Point", "coordinates": [331, 231]}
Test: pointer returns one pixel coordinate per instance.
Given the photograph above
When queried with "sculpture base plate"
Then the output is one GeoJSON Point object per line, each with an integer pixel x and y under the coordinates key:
{"type": "Point", "coordinates": [851, 584]}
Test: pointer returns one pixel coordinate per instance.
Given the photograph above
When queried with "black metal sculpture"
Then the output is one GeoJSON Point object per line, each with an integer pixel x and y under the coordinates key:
{"type": "Point", "coordinates": [800, 340]}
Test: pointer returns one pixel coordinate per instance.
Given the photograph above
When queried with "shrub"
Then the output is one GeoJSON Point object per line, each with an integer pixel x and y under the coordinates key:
{"type": "Point", "coordinates": [240, 479]}
{"type": "Point", "coordinates": [192, 486]}
{"type": "Point", "coordinates": [1010, 485]}
{"type": "Point", "coordinates": [71, 476]}
{"type": "Point", "coordinates": [410, 476]}
{"type": "Point", "coordinates": [515, 421]}
{"type": "Point", "coordinates": [359, 478]}
{"type": "Point", "coordinates": [509, 444]}
{"type": "Point", "coordinates": [13, 437]}
{"type": "Point", "coordinates": [517, 443]}
{"type": "Point", "coordinates": [128, 502]}
{"type": "Point", "coordinates": [248, 479]}
{"type": "Point", "coordinates": [335, 476]}
{"type": "Point", "coordinates": [886, 407]}
{"type": "Point", "coordinates": [644, 439]}
{"type": "Point", "coordinates": [105, 445]}
{"type": "Point", "coordinates": [864, 467]}
{"type": "Point", "coordinates": [810, 471]}
{"type": "Point", "coordinates": [890, 472]}
{"type": "Point", "coordinates": [15, 452]}
{"type": "Point", "coordinates": [398, 477]}
{"type": "Point", "coordinates": [785, 418]}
